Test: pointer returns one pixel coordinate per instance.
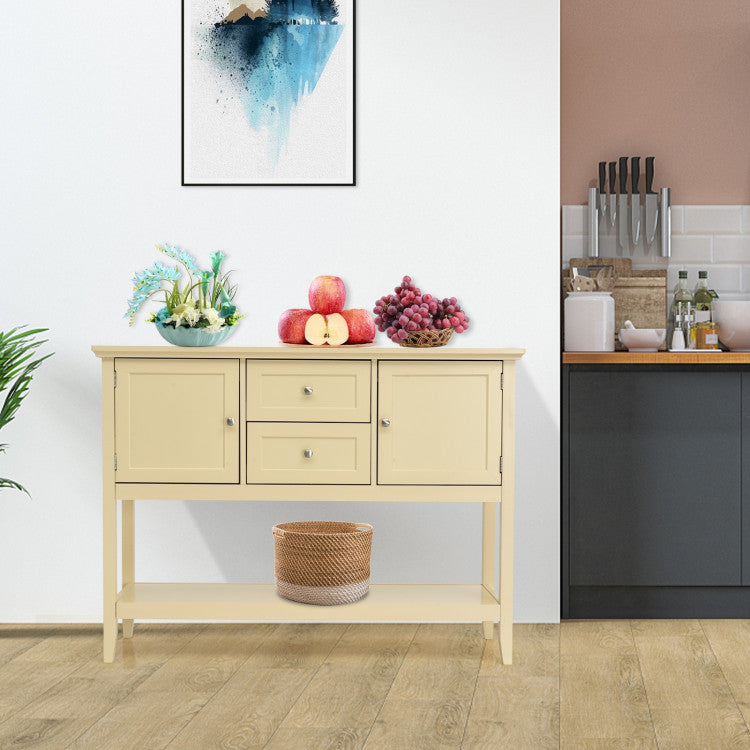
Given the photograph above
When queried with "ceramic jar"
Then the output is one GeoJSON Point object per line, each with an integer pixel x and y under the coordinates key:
{"type": "Point", "coordinates": [589, 322]}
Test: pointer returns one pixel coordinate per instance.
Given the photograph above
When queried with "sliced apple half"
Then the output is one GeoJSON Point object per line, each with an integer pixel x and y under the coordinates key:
{"type": "Point", "coordinates": [326, 329]}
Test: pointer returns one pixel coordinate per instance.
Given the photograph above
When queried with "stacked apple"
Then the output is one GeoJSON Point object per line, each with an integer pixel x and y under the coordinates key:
{"type": "Point", "coordinates": [326, 322]}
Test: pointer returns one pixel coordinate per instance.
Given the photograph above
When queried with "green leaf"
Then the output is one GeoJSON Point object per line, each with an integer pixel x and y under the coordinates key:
{"type": "Point", "coordinates": [10, 484]}
{"type": "Point", "coordinates": [18, 349]}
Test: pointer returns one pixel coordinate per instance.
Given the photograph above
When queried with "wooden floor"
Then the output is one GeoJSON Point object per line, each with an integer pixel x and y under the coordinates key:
{"type": "Point", "coordinates": [581, 685]}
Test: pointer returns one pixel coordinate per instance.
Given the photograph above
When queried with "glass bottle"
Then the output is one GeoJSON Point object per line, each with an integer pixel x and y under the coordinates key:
{"type": "Point", "coordinates": [681, 315]}
{"type": "Point", "coordinates": [702, 299]}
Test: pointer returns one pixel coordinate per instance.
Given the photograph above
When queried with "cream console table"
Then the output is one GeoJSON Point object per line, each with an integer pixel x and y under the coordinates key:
{"type": "Point", "coordinates": [308, 423]}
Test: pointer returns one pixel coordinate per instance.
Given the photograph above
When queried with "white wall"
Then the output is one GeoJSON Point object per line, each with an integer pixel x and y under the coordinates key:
{"type": "Point", "coordinates": [458, 185]}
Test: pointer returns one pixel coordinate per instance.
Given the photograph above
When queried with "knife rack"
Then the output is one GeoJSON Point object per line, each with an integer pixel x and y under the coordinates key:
{"type": "Point", "coordinates": [663, 224]}
{"type": "Point", "coordinates": [618, 214]}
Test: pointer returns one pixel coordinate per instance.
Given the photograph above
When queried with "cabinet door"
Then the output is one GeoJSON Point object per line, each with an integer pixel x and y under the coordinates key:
{"type": "Point", "coordinates": [171, 420]}
{"type": "Point", "coordinates": [443, 423]}
{"type": "Point", "coordinates": [654, 477]}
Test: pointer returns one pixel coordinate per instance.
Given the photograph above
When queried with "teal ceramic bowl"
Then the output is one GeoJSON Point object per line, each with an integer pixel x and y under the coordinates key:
{"type": "Point", "coordinates": [184, 336]}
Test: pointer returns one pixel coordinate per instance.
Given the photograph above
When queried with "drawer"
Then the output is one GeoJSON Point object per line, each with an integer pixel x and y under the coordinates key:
{"type": "Point", "coordinates": [304, 391]}
{"type": "Point", "coordinates": [336, 453]}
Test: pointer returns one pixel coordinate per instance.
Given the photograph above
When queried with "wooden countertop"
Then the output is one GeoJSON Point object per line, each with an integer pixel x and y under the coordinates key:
{"type": "Point", "coordinates": [656, 358]}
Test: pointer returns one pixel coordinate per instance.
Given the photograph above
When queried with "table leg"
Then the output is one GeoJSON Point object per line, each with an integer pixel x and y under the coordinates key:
{"type": "Point", "coordinates": [109, 511]}
{"type": "Point", "coordinates": [109, 553]}
{"type": "Point", "coordinates": [506, 515]}
{"type": "Point", "coordinates": [489, 536]}
{"type": "Point", "coordinates": [128, 556]}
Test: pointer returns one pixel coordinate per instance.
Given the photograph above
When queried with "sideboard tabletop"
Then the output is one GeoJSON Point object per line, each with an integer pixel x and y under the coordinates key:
{"type": "Point", "coordinates": [291, 351]}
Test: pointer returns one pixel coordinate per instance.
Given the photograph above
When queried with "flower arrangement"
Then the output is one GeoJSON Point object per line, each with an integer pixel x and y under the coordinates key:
{"type": "Point", "coordinates": [204, 302]}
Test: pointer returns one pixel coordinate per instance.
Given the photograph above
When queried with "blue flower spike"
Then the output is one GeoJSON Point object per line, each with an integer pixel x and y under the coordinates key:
{"type": "Point", "coordinates": [216, 259]}
{"type": "Point", "coordinates": [205, 277]}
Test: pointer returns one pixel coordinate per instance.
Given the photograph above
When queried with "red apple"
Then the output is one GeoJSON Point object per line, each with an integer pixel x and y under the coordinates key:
{"type": "Point", "coordinates": [292, 325]}
{"type": "Point", "coordinates": [361, 325]}
{"type": "Point", "coordinates": [326, 329]}
{"type": "Point", "coordinates": [327, 295]}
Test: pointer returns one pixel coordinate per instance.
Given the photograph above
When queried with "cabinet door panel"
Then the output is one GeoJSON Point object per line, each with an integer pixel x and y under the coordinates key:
{"type": "Point", "coordinates": [171, 423]}
{"type": "Point", "coordinates": [654, 478]}
{"type": "Point", "coordinates": [445, 423]}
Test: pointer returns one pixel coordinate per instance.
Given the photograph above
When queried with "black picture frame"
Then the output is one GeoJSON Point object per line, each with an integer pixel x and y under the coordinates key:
{"type": "Point", "coordinates": [351, 183]}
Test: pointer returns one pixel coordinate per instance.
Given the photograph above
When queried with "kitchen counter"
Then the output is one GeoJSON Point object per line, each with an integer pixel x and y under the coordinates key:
{"type": "Point", "coordinates": [655, 358]}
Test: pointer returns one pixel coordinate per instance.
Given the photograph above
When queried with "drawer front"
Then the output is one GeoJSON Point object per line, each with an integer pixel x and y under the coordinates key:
{"type": "Point", "coordinates": [299, 391]}
{"type": "Point", "coordinates": [308, 453]}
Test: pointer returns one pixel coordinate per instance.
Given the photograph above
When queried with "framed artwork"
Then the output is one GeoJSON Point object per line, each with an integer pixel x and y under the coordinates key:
{"type": "Point", "coordinates": [268, 92]}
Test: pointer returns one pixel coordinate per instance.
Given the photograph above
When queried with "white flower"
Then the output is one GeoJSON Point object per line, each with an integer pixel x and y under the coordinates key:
{"type": "Point", "coordinates": [213, 317]}
{"type": "Point", "coordinates": [187, 312]}
{"type": "Point", "coordinates": [215, 328]}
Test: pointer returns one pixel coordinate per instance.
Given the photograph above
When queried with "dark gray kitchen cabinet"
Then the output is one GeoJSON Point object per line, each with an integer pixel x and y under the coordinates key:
{"type": "Point", "coordinates": [654, 465]}
{"type": "Point", "coordinates": [745, 439]}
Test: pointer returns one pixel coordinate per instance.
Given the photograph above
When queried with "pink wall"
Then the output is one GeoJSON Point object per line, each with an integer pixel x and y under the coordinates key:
{"type": "Point", "coordinates": [663, 78]}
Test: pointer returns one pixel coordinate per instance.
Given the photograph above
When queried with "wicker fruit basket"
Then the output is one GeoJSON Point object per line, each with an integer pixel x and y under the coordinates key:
{"type": "Point", "coordinates": [322, 562]}
{"type": "Point", "coordinates": [428, 338]}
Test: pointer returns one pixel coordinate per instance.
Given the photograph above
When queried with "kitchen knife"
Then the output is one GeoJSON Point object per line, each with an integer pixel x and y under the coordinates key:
{"type": "Point", "coordinates": [612, 193]}
{"type": "Point", "coordinates": [635, 200]}
{"type": "Point", "coordinates": [603, 187]}
{"type": "Point", "coordinates": [622, 201]}
{"type": "Point", "coordinates": [652, 212]}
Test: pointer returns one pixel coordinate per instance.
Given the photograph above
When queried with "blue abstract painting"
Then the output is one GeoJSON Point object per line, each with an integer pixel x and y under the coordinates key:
{"type": "Point", "coordinates": [268, 92]}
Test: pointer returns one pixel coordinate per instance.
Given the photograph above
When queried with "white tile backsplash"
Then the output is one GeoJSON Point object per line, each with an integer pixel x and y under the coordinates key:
{"type": "Point", "coordinates": [692, 248]}
{"type": "Point", "coordinates": [732, 248]}
{"type": "Point", "coordinates": [711, 238]}
{"type": "Point", "coordinates": [574, 220]}
{"type": "Point", "coordinates": [712, 219]}
{"type": "Point", "coordinates": [678, 223]}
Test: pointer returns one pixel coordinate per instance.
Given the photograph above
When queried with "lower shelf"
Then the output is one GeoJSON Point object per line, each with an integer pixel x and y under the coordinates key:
{"type": "Point", "coordinates": [259, 601]}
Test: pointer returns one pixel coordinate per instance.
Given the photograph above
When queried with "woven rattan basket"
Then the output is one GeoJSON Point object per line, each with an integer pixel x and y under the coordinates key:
{"type": "Point", "coordinates": [427, 338]}
{"type": "Point", "coordinates": [322, 562]}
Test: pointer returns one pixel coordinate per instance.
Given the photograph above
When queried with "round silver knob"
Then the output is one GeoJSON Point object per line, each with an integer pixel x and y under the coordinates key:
{"type": "Point", "coordinates": [385, 422]}
{"type": "Point", "coordinates": [230, 421]}
{"type": "Point", "coordinates": [308, 390]}
{"type": "Point", "coordinates": [308, 453]}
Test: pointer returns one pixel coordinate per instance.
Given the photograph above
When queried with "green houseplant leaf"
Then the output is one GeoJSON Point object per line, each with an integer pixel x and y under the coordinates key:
{"type": "Point", "coordinates": [18, 362]}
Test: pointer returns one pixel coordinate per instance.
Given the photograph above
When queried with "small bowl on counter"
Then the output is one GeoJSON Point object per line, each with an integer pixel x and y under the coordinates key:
{"type": "Point", "coordinates": [642, 339]}
{"type": "Point", "coordinates": [733, 319]}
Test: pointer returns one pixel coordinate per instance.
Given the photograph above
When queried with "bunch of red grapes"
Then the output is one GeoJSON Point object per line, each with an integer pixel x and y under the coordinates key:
{"type": "Point", "coordinates": [409, 310]}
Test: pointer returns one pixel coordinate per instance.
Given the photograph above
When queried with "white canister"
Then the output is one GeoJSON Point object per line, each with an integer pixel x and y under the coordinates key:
{"type": "Point", "coordinates": [589, 322]}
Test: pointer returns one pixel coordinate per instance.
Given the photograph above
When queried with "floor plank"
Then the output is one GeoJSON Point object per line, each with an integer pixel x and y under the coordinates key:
{"type": "Point", "coordinates": [613, 685]}
{"type": "Point", "coordinates": [158, 708]}
{"type": "Point", "coordinates": [73, 704]}
{"type": "Point", "coordinates": [344, 697]}
{"type": "Point", "coordinates": [428, 703]}
{"type": "Point", "coordinates": [730, 642]}
{"type": "Point", "coordinates": [690, 700]}
{"type": "Point", "coordinates": [251, 705]}
{"type": "Point", "coordinates": [37, 668]}
{"type": "Point", "coordinates": [15, 639]}
{"type": "Point", "coordinates": [602, 694]}
{"type": "Point", "coordinates": [517, 706]}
